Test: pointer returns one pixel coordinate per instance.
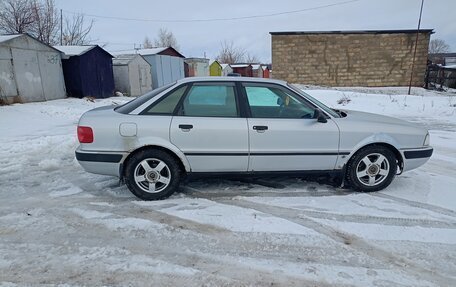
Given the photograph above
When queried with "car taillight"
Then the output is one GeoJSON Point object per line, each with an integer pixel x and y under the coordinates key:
{"type": "Point", "coordinates": [85, 134]}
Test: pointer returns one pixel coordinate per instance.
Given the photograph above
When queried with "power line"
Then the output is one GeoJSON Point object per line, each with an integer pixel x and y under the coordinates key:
{"type": "Point", "coordinates": [214, 19]}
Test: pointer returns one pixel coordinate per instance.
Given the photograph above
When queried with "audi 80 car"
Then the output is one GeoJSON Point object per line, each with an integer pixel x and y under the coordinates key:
{"type": "Point", "coordinates": [235, 125]}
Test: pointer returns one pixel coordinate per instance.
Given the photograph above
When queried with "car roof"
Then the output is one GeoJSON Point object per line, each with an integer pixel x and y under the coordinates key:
{"type": "Point", "coordinates": [230, 79]}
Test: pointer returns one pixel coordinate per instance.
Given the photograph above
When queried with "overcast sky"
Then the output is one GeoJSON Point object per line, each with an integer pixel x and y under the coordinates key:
{"type": "Point", "coordinates": [197, 38]}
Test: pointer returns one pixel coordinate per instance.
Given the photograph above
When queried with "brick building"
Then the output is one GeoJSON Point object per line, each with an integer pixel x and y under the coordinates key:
{"type": "Point", "coordinates": [350, 58]}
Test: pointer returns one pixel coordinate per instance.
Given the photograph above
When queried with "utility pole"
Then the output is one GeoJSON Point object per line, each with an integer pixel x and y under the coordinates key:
{"type": "Point", "coordinates": [416, 44]}
{"type": "Point", "coordinates": [61, 28]}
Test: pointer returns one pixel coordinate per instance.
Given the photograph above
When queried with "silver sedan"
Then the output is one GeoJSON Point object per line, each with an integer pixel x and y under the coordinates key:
{"type": "Point", "coordinates": [228, 126]}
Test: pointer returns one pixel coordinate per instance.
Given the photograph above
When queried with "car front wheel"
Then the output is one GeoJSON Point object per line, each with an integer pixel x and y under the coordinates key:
{"type": "Point", "coordinates": [152, 174]}
{"type": "Point", "coordinates": [371, 169]}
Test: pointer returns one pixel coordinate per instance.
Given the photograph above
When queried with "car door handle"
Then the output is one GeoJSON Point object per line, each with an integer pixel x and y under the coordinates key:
{"type": "Point", "coordinates": [260, 128]}
{"type": "Point", "coordinates": [186, 127]}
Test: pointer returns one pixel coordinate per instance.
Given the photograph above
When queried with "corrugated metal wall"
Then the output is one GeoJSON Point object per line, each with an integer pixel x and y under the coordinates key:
{"type": "Point", "coordinates": [30, 71]}
{"type": "Point", "coordinates": [89, 75]}
{"type": "Point", "coordinates": [165, 69]}
{"type": "Point", "coordinates": [121, 79]}
{"type": "Point", "coordinates": [197, 67]}
{"type": "Point", "coordinates": [215, 69]}
{"type": "Point", "coordinates": [139, 75]}
{"type": "Point", "coordinates": [226, 71]}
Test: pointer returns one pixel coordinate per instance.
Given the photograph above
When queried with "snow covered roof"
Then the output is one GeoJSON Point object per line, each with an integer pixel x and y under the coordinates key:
{"type": "Point", "coordinates": [124, 59]}
{"type": "Point", "coordinates": [239, 65]}
{"type": "Point", "coordinates": [75, 50]}
{"type": "Point", "coordinates": [264, 67]}
{"type": "Point", "coordinates": [150, 51]}
{"type": "Point", "coordinates": [223, 66]}
{"type": "Point", "coordinates": [256, 66]}
{"type": "Point", "coordinates": [4, 38]}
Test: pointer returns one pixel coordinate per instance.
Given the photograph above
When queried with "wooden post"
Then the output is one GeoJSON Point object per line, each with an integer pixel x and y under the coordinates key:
{"type": "Point", "coordinates": [416, 44]}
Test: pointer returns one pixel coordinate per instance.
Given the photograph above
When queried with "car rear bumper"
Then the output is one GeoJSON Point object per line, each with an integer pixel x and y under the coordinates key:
{"type": "Point", "coordinates": [414, 158]}
{"type": "Point", "coordinates": [107, 163]}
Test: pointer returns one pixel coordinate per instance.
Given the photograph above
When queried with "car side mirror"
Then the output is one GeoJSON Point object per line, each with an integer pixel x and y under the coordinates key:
{"type": "Point", "coordinates": [319, 116]}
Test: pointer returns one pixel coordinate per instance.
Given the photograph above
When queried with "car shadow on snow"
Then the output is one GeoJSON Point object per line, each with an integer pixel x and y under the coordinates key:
{"type": "Point", "coordinates": [216, 187]}
{"type": "Point", "coordinates": [278, 186]}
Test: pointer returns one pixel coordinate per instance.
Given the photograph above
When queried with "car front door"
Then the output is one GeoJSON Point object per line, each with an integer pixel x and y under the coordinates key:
{"type": "Point", "coordinates": [283, 134]}
{"type": "Point", "coordinates": [208, 128]}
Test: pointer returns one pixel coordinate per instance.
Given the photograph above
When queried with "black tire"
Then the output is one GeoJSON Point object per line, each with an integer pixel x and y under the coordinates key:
{"type": "Point", "coordinates": [372, 181]}
{"type": "Point", "coordinates": [151, 188]}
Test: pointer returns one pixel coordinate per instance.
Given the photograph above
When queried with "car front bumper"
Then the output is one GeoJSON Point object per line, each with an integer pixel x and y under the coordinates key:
{"type": "Point", "coordinates": [106, 163]}
{"type": "Point", "coordinates": [414, 158]}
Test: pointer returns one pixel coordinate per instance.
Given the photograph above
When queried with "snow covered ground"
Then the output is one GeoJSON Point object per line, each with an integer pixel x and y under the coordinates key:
{"type": "Point", "coordinates": [61, 225]}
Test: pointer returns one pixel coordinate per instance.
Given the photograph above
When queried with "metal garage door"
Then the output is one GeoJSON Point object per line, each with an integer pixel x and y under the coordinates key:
{"type": "Point", "coordinates": [28, 77]}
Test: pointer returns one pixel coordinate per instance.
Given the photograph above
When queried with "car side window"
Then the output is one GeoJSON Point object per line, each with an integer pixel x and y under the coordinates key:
{"type": "Point", "coordinates": [211, 100]}
{"type": "Point", "coordinates": [169, 102]}
{"type": "Point", "coordinates": [274, 102]}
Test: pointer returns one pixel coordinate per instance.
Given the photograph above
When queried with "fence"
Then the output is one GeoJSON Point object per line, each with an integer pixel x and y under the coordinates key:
{"type": "Point", "coordinates": [440, 77]}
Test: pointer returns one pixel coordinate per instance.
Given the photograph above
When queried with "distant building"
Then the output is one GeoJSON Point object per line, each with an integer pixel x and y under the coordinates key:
{"type": "Point", "coordinates": [244, 70]}
{"type": "Point", "coordinates": [257, 70]}
{"type": "Point", "coordinates": [30, 70]}
{"type": "Point", "coordinates": [443, 59]}
{"type": "Point", "coordinates": [350, 58]}
{"type": "Point", "coordinates": [87, 71]}
{"type": "Point", "coordinates": [266, 72]}
{"type": "Point", "coordinates": [215, 68]}
{"type": "Point", "coordinates": [166, 64]}
{"type": "Point", "coordinates": [226, 69]}
{"type": "Point", "coordinates": [197, 67]}
{"type": "Point", "coordinates": [131, 75]}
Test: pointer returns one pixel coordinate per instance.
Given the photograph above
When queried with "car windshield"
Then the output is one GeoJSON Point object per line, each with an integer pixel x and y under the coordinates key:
{"type": "Point", "coordinates": [330, 111]}
{"type": "Point", "coordinates": [133, 104]}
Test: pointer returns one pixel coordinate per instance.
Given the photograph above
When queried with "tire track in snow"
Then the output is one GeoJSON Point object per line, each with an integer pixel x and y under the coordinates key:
{"type": "Point", "coordinates": [355, 242]}
{"type": "Point", "coordinates": [214, 265]}
{"type": "Point", "coordinates": [147, 213]}
{"type": "Point", "coordinates": [232, 240]}
{"type": "Point", "coordinates": [95, 269]}
{"type": "Point", "coordinates": [396, 221]}
{"type": "Point", "coordinates": [426, 206]}
{"type": "Point", "coordinates": [209, 264]}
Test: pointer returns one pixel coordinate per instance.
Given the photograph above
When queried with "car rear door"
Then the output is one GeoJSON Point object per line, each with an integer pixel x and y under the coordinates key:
{"type": "Point", "coordinates": [283, 134]}
{"type": "Point", "coordinates": [208, 128]}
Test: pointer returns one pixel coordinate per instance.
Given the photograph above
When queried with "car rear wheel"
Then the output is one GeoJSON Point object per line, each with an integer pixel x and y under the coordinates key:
{"type": "Point", "coordinates": [371, 169]}
{"type": "Point", "coordinates": [152, 174]}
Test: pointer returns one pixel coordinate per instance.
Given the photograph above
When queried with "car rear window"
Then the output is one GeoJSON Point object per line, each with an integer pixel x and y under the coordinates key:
{"type": "Point", "coordinates": [135, 103]}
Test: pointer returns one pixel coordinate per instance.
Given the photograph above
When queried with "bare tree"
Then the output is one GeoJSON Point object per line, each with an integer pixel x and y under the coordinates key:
{"type": "Point", "coordinates": [16, 16]}
{"type": "Point", "coordinates": [76, 31]}
{"type": "Point", "coordinates": [230, 54]}
{"type": "Point", "coordinates": [147, 43]}
{"type": "Point", "coordinates": [46, 25]}
{"type": "Point", "coordinates": [40, 19]}
{"type": "Point", "coordinates": [251, 59]}
{"type": "Point", "coordinates": [438, 46]}
{"type": "Point", "coordinates": [166, 38]}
